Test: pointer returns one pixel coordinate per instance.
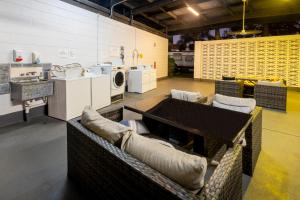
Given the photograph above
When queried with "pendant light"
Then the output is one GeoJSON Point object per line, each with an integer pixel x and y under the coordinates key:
{"type": "Point", "coordinates": [243, 31]}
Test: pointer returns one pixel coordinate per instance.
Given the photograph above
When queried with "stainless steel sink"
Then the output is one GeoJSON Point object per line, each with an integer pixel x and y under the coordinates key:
{"type": "Point", "coordinates": [23, 90]}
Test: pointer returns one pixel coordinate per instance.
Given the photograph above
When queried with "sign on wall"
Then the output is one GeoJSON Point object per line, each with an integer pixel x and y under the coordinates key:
{"type": "Point", "coordinates": [263, 57]}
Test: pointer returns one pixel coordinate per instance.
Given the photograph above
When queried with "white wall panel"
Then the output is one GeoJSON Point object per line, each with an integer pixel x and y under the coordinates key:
{"type": "Point", "coordinates": [113, 35]}
{"type": "Point", "coordinates": [46, 27]}
{"type": "Point", "coordinates": [262, 57]}
{"type": "Point", "coordinates": [50, 27]}
{"type": "Point", "coordinates": [154, 49]}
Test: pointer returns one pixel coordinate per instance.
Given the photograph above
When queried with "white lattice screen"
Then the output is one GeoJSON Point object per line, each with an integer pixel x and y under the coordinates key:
{"type": "Point", "coordinates": [263, 57]}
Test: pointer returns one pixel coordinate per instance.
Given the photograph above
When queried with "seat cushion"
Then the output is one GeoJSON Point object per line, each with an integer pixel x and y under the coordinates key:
{"type": "Point", "coordinates": [242, 109]}
{"type": "Point", "coordinates": [185, 169]}
{"type": "Point", "coordinates": [235, 101]}
{"type": "Point", "coordinates": [109, 130]}
{"type": "Point", "coordinates": [137, 126]}
{"type": "Point", "coordinates": [270, 83]}
{"type": "Point", "coordinates": [186, 95]}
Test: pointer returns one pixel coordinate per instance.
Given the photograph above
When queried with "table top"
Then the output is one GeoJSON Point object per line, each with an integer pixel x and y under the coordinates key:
{"type": "Point", "coordinates": [207, 121]}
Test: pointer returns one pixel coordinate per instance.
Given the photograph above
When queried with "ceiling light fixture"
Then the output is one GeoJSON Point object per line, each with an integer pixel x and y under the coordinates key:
{"type": "Point", "coordinates": [243, 31]}
{"type": "Point", "coordinates": [193, 10]}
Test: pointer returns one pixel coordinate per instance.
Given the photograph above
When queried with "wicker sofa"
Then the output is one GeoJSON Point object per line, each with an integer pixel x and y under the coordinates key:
{"type": "Point", "coordinates": [266, 96]}
{"type": "Point", "coordinates": [106, 172]}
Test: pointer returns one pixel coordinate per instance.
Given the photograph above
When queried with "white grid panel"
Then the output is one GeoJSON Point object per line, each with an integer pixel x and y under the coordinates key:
{"type": "Point", "coordinates": [263, 57]}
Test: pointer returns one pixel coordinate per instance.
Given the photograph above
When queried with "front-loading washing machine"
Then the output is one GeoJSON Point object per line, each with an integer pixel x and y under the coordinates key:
{"type": "Point", "coordinates": [117, 79]}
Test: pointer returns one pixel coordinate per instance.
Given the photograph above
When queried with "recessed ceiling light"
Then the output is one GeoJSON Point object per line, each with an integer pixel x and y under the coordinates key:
{"type": "Point", "coordinates": [193, 10]}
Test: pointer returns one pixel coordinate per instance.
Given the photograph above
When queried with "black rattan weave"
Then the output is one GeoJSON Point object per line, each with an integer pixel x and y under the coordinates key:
{"type": "Point", "coordinates": [229, 88]}
{"type": "Point", "coordinates": [253, 136]}
{"type": "Point", "coordinates": [106, 172]}
{"type": "Point", "coordinates": [266, 96]}
{"type": "Point", "coordinates": [271, 96]}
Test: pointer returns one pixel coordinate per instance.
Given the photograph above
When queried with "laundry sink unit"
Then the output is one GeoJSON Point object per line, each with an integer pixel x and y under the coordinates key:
{"type": "Point", "coordinates": [24, 90]}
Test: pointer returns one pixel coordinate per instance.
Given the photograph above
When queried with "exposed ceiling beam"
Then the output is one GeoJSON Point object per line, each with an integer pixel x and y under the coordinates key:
{"type": "Point", "coordinates": [167, 9]}
{"type": "Point", "coordinates": [227, 7]}
{"type": "Point", "coordinates": [169, 13]}
{"type": "Point", "coordinates": [266, 20]}
{"type": "Point", "coordinates": [153, 19]}
{"type": "Point", "coordinates": [180, 4]}
{"type": "Point", "coordinates": [203, 12]}
{"type": "Point", "coordinates": [145, 15]}
{"type": "Point", "coordinates": [258, 17]}
{"type": "Point", "coordinates": [93, 7]}
{"type": "Point", "coordinates": [193, 4]}
{"type": "Point", "coordinates": [160, 3]}
{"type": "Point", "coordinates": [89, 4]}
{"type": "Point", "coordinates": [154, 4]}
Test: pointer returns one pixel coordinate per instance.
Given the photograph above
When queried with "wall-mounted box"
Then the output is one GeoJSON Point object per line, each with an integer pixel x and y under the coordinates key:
{"type": "Point", "coordinates": [18, 55]}
{"type": "Point", "coordinates": [4, 88]}
{"type": "Point", "coordinates": [4, 78]}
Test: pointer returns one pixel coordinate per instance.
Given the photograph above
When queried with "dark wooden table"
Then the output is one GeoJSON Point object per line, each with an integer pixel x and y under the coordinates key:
{"type": "Point", "coordinates": [209, 126]}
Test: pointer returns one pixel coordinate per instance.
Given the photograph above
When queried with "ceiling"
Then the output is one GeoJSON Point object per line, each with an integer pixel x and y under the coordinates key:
{"type": "Point", "coordinates": [172, 16]}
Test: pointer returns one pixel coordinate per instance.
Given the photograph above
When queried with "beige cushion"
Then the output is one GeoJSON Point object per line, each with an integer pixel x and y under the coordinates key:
{"type": "Point", "coordinates": [235, 101]}
{"type": "Point", "coordinates": [109, 130]}
{"type": "Point", "coordinates": [186, 95]}
{"type": "Point", "coordinates": [270, 83]}
{"type": "Point", "coordinates": [186, 169]}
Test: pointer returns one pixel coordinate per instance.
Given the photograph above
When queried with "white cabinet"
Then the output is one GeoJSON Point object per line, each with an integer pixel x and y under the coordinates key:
{"type": "Point", "coordinates": [72, 95]}
{"type": "Point", "coordinates": [69, 99]}
{"type": "Point", "coordinates": [100, 91]}
{"type": "Point", "coordinates": [141, 81]}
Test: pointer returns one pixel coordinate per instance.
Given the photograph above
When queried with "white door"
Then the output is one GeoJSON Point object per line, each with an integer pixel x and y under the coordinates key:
{"type": "Point", "coordinates": [100, 91]}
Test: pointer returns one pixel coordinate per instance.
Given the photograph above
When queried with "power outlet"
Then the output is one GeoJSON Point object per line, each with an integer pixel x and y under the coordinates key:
{"type": "Point", "coordinates": [72, 53]}
{"type": "Point", "coordinates": [63, 53]}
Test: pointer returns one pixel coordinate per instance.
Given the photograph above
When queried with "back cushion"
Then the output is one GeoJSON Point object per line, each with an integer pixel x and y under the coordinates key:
{"type": "Point", "coordinates": [185, 169]}
{"type": "Point", "coordinates": [109, 130]}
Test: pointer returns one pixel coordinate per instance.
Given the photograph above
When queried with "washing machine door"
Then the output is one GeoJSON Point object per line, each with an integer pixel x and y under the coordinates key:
{"type": "Point", "coordinates": [118, 79]}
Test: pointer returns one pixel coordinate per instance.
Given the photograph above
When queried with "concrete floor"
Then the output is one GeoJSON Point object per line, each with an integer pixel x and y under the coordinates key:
{"type": "Point", "coordinates": [33, 161]}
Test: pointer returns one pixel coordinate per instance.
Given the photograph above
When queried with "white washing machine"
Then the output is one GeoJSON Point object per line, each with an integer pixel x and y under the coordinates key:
{"type": "Point", "coordinates": [117, 79]}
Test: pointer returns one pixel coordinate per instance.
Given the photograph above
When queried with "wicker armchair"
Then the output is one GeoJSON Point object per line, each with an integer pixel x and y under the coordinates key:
{"type": "Point", "coordinates": [106, 172]}
{"type": "Point", "coordinates": [253, 136]}
{"type": "Point", "coordinates": [271, 96]}
{"type": "Point", "coordinates": [229, 88]}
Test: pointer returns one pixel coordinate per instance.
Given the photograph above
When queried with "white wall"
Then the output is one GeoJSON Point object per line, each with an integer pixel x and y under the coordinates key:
{"type": "Point", "coordinates": [63, 33]}
{"type": "Point", "coordinates": [47, 27]}
{"type": "Point", "coordinates": [154, 49]}
{"type": "Point", "coordinates": [112, 35]}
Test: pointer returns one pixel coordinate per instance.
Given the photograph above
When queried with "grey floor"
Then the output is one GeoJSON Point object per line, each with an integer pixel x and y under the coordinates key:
{"type": "Point", "coordinates": [33, 160]}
